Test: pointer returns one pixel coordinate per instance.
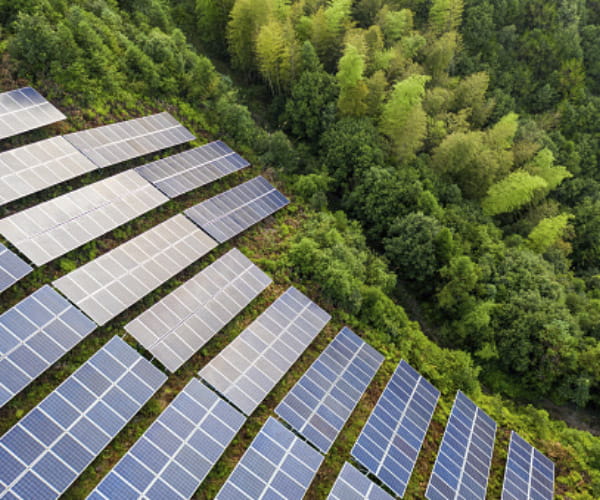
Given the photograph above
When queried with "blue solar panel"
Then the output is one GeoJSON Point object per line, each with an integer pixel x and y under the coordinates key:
{"type": "Point", "coordinates": [277, 465]}
{"type": "Point", "coordinates": [12, 268]}
{"type": "Point", "coordinates": [351, 484]}
{"type": "Point", "coordinates": [180, 173]}
{"type": "Point", "coordinates": [528, 474]}
{"type": "Point", "coordinates": [319, 404]}
{"type": "Point", "coordinates": [48, 448]}
{"type": "Point", "coordinates": [34, 334]}
{"type": "Point", "coordinates": [390, 442]}
{"type": "Point", "coordinates": [463, 463]}
{"type": "Point", "coordinates": [229, 213]}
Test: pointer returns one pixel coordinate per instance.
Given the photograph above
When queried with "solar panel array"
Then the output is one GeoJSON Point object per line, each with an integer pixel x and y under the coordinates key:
{"type": "Point", "coordinates": [12, 268]}
{"type": "Point", "coordinates": [34, 334]}
{"type": "Point", "coordinates": [528, 474]}
{"type": "Point", "coordinates": [229, 213]}
{"type": "Point", "coordinates": [351, 484]}
{"type": "Point", "coordinates": [57, 226]}
{"type": "Point", "coordinates": [389, 444]}
{"type": "Point", "coordinates": [25, 109]}
{"type": "Point", "coordinates": [463, 463]}
{"type": "Point", "coordinates": [111, 283]}
{"type": "Point", "coordinates": [36, 166]}
{"type": "Point", "coordinates": [123, 141]}
{"type": "Point", "coordinates": [177, 326]}
{"type": "Point", "coordinates": [277, 465]}
{"type": "Point", "coordinates": [319, 404]}
{"type": "Point", "coordinates": [48, 448]}
{"type": "Point", "coordinates": [177, 451]}
{"type": "Point", "coordinates": [191, 169]}
{"type": "Point", "coordinates": [252, 364]}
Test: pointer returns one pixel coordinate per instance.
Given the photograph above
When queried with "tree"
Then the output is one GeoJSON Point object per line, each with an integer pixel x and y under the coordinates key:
{"type": "Point", "coordinates": [353, 89]}
{"type": "Point", "coordinates": [246, 19]}
{"type": "Point", "coordinates": [548, 232]}
{"type": "Point", "coordinates": [445, 16]}
{"type": "Point", "coordinates": [274, 49]}
{"type": "Point", "coordinates": [513, 192]}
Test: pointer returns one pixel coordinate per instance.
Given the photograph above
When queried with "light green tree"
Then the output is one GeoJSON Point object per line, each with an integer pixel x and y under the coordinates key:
{"type": "Point", "coordinates": [548, 232]}
{"type": "Point", "coordinates": [512, 192]}
{"type": "Point", "coordinates": [353, 89]}
{"type": "Point", "coordinates": [445, 16]}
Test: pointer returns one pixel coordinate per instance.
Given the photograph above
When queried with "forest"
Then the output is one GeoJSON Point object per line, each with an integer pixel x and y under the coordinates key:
{"type": "Point", "coordinates": [442, 159]}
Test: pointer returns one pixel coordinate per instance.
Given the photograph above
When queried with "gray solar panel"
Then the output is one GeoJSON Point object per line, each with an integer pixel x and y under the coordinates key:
{"type": "Point", "coordinates": [123, 141]}
{"type": "Point", "coordinates": [57, 226]}
{"type": "Point", "coordinates": [389, 444]}
{"type": "Point", "coordinates": [177, 451]}
{"type": "Point", "coordinates": [12, 268]}
{"type": "Point", "coordinates": [277, 465]}
{"type": "Point", "coordinates": [351, 484]}
{"type": "Point", "coordinates": [229, 213]}
{"type": "Point", "coordinates": [318, 406]}
{"type": "Point", "coordinates": [528, 474]}
{"type": "Point", "coordinates": [178, 325]}
{"type": "Point", "coordinates": [191, 169]}
{"type": "Point", "coordinates": [250, 366]}
{"type": "Point", "coordinates": [25, 109]}
{"type": "Point", "coordinates": [34, 334]}
{"type": "Point", "coordinates": [48, 448]}
{"type": "Point", "coordinates": [463, 463]}
{"type": "Point", "coordinates": [116, 280]}
{"type": "Point", "coordinates": [34, 167]}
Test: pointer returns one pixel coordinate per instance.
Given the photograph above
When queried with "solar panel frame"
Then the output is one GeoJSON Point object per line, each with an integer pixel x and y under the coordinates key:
{"type": "Point", "coordinates": [12, 268]}
{"type": "Point", "coordinates": [25, 109]}
{"type": "Point", "coordinates": [229, 213]}
{"type": "Point", "coordinates": [34, 334]}
{"type": "Point", "coordinates": [277, 464]}
{"type": "Point", "coordinates": [109, 284]}
{"type": "Point", "coordinates": [247, 369]}
{"type": "Point", "coordinates": [351, 484]}
{"type": "Point", "coordinates": [31, 168]}
{"type": "Point", "coordinates": [391, 440]}
{"type": "Point", "coordinates": [320, 403]}
{"type": "Point", "coordinates": [122, 141]}
{"type": "Point", "coordinates": [191, 169]}
{"type": "Point", "coordinates": [43, 453]}
{"type": "Point", "coordinates": [465, 454]}
{"type": "Point", "coordinates": [57, 226]}
{"type": "Point", "coordinates": [189, 437]}
{"type": "Point", "coordinates": [177, 326]}
{"type": "Point", "coordinates": [528, 473]}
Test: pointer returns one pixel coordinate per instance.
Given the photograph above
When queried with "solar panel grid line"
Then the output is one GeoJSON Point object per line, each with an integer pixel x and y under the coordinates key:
{"type": "Point", "coordinates": [390, 442]}
{"type": "Point", "coordinates": [278, 464]}
{"type": "Point", "coordinates": [52, 228]}
{"type": "Point", "coordinates": [322, 400]}
{"type": "Point", "coordinates": [28, 169]}
{"type": "Point", "coordinates": [12, 268]}
{"type": "Point", "coordinates": [351, 484]}
{"type": "Point", "coordinates": [49, 447]}
{"type": "Point", "coordinates": [34, 334]}
{"type": "Point", "coordinates": [25, 109]}
{"type": "Point", "coordinates": [462, 466]}
{"type": "Point", "coordinates": [190, 435]}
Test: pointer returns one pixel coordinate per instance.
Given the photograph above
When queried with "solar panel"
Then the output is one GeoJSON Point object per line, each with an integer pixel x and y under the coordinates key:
{"type": "Point", "coordinates": [12, 268]}
{"type": "Point", "coordinates": [48, 448]}
{"type": "Point", "coordinates": [191, 169]}
{"type": "Point", "coordinates": [25, 109]}
{"type": "Point", "coordinates": [250, 366]}
{"type": "Point", "coordinates": [34, 334]}
{"type": "Point", "coordinates": [277, 465]}
{"type": "Point", "coordinates": [123, 141]}
{"type": "Point", "coordinates": [319, 404]}
{"type": "Point", "coordinates": [463, 463]}
{"type": "Point", "coordinates": [351, 484]}
{"type": "Point", "coordinates": [183, 321]}
{"type": "Point", "coordinates": [111, 283]}
{"type": "Point", "coordinates": [528, 474]}
{"type": "Point", "coordinates": [177, 451]}
{"type": "Point", "coordinates": [389, 444]}
{"type": "Point", "coordinates": [36, 166]}
{"type": "Point", "coordinates": [229, 213]}
{"type": "Point", "coordinates": [57, 226]}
